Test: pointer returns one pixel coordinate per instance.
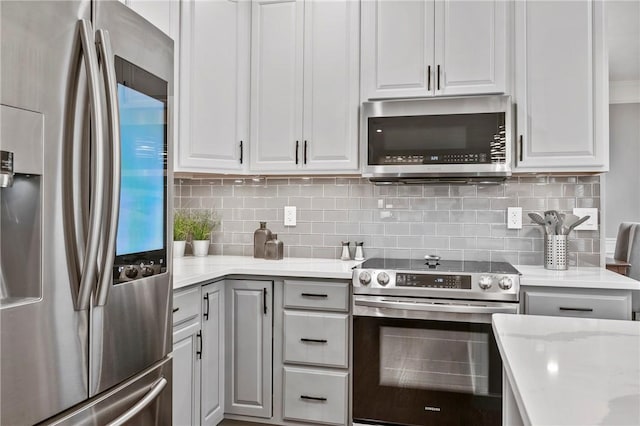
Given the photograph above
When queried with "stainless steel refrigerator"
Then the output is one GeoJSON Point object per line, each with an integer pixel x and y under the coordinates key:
{"type": "Point", "coordinates": [85, 289]}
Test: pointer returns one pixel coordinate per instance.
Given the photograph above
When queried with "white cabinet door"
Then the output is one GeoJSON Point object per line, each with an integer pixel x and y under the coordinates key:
{"type": "Point", "coordinates": [214, 86]}
{"type": "Point", "coordinates": [397, 48]}
{"type": "Point", "coordinates": [561, 83]}
{"type": "Point", "coordinates": [331, 68]}
{"type": "Point", "coordinates": [186, 375]}
{"type": "Point", "coordinates": [162, 14]}
{"type": "Point", "coordinates": [276, 85]}
{"type": "Point", "coordinates": [248, 347]}
{"type": "Point", "coordinates": [212, 395]}
{"type": "Point", "coordinates": [470, 46]}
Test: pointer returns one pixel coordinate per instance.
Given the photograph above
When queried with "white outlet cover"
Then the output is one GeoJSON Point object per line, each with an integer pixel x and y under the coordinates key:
{"type": "Point", "coordinates": [514, 218]}
{"type": "Point", "coordinates": [289, 215]}
{"type": "Point", "coordinates": [589, 225]}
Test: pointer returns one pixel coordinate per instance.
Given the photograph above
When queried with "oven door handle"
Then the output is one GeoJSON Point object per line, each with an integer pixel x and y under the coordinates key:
{"type": "Point", "coordinates": [432, 307]}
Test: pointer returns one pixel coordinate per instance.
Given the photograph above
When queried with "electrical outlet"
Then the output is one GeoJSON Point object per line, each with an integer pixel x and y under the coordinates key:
{"type": "Point", "coordinates": [289, 215]}
{"type": "Point", "coordinates": [592, 223]}
{"type": "Point", "coordinates": [514, 218]}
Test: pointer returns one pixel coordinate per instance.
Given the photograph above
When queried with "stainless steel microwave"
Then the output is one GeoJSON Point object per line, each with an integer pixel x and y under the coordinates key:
{"type": "Point", "coordinates": [453, 139]}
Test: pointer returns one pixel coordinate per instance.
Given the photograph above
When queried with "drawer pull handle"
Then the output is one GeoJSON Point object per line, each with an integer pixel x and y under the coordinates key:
{"type": "Point", "coordinates": [562, 308]}
{"type": "Point", "coordinates": [323, 296]}
{"type": "Point", "coordinates": [304, 339]}
{"type": "Point", "coordinates": [313, 398]}
{"type": "Point", "coordinates": [175, 310]}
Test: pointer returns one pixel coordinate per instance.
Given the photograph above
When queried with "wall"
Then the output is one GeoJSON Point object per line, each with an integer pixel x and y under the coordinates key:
{"type": "Point", "coordinates": [623, 181]}
{"type": "Point", "coordinates": [464, 222]}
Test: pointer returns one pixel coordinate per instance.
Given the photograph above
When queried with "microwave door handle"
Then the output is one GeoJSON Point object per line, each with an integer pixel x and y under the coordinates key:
{"type": "Point", "coordinates": [90, 259]}
{"type": "Point", "coordinates": [109, 75]}
{"type": "Point", "coordinates": [431, 307]}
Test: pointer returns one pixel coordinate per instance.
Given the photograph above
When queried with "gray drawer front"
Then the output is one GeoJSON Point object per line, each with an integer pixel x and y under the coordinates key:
{"type": "Point", "coordinates": [316, 338]}
{"type": "Point", "coordinates": [315, 396]}
{"type": "Point", "coordinates": [604, 306]}
{"type": "Point", "coordinates": [328, 296]}
{"type": "Point", "coordinates": [186, 305]}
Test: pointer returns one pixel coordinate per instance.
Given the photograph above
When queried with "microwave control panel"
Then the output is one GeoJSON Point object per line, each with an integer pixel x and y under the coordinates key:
{"type": "Point", "coordinates": [466, 158]}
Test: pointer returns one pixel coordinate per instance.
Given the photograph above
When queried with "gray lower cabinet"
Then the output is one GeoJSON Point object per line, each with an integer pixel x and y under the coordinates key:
{"type": "Point", "coordinates": [315, 355]}
{"type": "Point", "coordinates": [212, 374]}
{"type": "Point", "coordinates": [248, 347]}
{"type": "Point", "coordinates": [572, 302]}
{"type": "Point", "coordinates": [186, 357]}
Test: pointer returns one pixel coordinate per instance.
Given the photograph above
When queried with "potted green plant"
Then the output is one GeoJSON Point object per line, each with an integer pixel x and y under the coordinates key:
{"type": "Point", "coordinates": [181, 229]}
{"type": "Point", "coordinates": [202, 224]}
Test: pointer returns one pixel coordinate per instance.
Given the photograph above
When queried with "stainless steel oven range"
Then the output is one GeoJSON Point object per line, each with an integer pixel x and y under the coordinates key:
{"type": "Point", "coordinates": [423, 348]}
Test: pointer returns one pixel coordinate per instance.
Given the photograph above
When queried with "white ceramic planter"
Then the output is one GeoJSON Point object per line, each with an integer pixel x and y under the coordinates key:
{"type": "Point", "coordinates": [178, 248]}
{"type": "Point", "coordinates": [200, 247]}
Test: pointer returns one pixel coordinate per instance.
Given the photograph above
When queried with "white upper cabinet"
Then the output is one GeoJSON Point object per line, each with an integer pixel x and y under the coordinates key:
{"type": "Point", "coordinates": [276, 84]}
{"type": "Point", "coordinates": [561, 87]}
{"type": "Point", "coordinates": [214, 86]}
{"type": "Point", "coordinates": [163, 14]}
{"type": "Point", "coordinates": [422, 48]}
{"type": "Point", "coordinates": [304, 84]}
{"type": "Point", "coordinates": [331, 94]}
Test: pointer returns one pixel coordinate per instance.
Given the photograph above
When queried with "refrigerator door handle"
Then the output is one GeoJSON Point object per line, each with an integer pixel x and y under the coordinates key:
{"type": "Point", "coordinates": [90, 261]}
{"type": "Point", "coordinates": [157, 387]}
{"type": "Point", "coordinates": [112, 208]}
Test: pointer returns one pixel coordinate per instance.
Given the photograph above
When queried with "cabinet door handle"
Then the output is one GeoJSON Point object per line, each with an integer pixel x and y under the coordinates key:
{"type": "Point", "coordinates": [521, 143]}
{"type": "Point", "coordinates": [241, 152]}
{"type": "Point", "coordinates": [429, 77]}
{"type": "Point", "coordinates": [322, 296]}
{"type": "Point", "coordinates": [304, 158]}
{"type": "Point", "coordinates": [205, 315]}
{"type": "Point", "coordinates": [304, 339]}
{"type": "Point", "coordinates": [438, 77]}
{"type": "Point", "coordinates": [297, 146]}
{"type": "Point", "coordinates": [564, 308]}
{"type": "Point", "coordinates": [264, 300]}
{"type": "Point", "coordinates": [176, 310]}
{"type": "Point", "coordinates": [199, 351]}
{"type": "Point", "coordinates": [313, 398]}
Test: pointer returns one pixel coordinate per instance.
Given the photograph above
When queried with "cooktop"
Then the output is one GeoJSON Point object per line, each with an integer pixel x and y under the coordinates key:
{"type": "Point", "coordinates": [456, 266]}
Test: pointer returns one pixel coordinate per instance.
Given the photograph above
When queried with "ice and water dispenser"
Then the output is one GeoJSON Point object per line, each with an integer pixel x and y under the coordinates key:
{"type": "Point", "coordinates": [21, 167]}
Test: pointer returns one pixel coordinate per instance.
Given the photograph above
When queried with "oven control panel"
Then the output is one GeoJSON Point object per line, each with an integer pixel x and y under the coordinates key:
{"type": "Point", "coordinates": [488, 286]}
{"type": "Point", "coordinates": [460, 282]}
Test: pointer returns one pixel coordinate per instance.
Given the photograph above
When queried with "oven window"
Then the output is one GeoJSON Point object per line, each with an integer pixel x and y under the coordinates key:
{"type": "Point", "coordinates": [434, 359]}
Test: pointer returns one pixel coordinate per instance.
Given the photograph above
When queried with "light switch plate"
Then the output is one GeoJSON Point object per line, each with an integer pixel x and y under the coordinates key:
{"type": "Point", "coordinates": [589, 225]}
{"type": "Point", "coordinates": [514, 218]}
{"type": "Point", "coordinates": [289, 215]}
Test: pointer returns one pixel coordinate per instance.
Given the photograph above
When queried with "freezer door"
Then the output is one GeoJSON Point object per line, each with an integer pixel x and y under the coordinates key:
{"type": "Point", "coordinates": [143, 400]}
{"type": "Point", "coordinates": [43, 338]}
{"type": "Point", "coordinates": [131, 313]}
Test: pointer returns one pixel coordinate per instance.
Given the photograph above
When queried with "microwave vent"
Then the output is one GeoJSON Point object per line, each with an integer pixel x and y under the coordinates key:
{"type": "Point", "coordinates": [498, 146]}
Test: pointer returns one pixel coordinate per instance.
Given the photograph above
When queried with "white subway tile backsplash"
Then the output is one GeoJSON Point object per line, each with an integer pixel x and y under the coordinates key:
{"type": "Point", "coordinates": [463, 222]}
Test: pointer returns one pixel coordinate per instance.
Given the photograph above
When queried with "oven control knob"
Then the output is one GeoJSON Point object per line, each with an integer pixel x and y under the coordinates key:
{"type": "Point", "coordinates": [485, 282]}
{"type": "Point", "coordinates": [364, 278]}
{"type": "Point", "coordinates": [505, 283]}
{"type": "Point", "coordinates": [383, 278]}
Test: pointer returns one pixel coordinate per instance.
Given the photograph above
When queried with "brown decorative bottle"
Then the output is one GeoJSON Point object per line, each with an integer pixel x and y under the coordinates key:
{"type": "Point", "coordinates": [274, 248]}
{"type": "Point", "coordinates": [260, 237]}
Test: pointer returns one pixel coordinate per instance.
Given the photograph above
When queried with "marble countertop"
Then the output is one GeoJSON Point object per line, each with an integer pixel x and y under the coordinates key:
{"type": "Point", "coordinates": [578, 277]}
{"type": "Point", "coordinates": [571, 371]}
{"type": "Point", "coordinates": [191, 270]}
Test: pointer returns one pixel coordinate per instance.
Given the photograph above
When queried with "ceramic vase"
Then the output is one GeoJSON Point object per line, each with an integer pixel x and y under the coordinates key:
{"type": "Point", "coordinates": [200, 247]}
{"type": "Point", "coordinates": [178, 248]}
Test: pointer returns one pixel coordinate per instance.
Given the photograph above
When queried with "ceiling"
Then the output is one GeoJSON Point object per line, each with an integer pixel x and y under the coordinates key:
{"type": "Point", "coordinates": [623, 35]}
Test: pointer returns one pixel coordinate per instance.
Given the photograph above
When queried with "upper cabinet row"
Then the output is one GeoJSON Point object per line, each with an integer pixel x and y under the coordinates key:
{"type": "Point", "coordinates": [274, 86]}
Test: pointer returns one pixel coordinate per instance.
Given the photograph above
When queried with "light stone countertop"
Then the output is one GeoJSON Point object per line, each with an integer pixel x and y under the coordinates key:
{"type": "Point", "coordinates": [571, 371]}
{"type": "Point", "coordinates": [576, 277]}
{"type": "Point", "coordinates": [191, 270]}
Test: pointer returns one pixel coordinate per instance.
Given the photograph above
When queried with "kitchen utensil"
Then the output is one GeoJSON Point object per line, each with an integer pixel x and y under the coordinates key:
{"type": "Point", "coordinates": [569, 220]}
{"type": "Point", "coordinates": [537, 218]}
{"type": "Point", "coordinates": [578, 223]}
{"type": "Point", "coordinates": [550, 221]}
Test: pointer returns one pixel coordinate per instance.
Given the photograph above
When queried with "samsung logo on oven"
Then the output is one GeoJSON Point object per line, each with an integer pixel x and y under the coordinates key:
{"type": "Point", "coordinates": [435, 409]}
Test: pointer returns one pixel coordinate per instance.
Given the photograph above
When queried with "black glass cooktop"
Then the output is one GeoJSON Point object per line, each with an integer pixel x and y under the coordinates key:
{"type": "Point", "coordinates": [456, 266]}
